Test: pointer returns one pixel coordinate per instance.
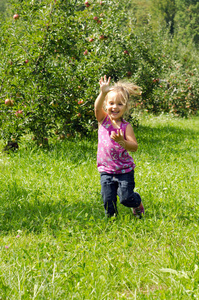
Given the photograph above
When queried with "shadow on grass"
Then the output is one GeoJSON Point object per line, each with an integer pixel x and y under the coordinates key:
{"type": "Point", "coordinates": [33, 214]}
{"type": "Point", "coordinates": [40, 213]}
{"type": "Point", "coordinates": [23, 209]}
{"type": "Point", "coordinates": [167, 138]}
{"type": "Point", "coordinates": [74, 150]}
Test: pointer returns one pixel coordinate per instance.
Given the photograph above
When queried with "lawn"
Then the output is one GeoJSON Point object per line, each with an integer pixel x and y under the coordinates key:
{"type": "Point", "coordinates": [55, 242]}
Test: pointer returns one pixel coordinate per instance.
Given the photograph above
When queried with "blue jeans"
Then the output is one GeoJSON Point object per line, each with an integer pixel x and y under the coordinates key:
{"type": "Point", "coordinates": [118, 184]}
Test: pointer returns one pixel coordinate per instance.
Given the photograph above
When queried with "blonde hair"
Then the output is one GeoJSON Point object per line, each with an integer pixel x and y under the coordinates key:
{"type": "Point", "coordinates": [127, 90]}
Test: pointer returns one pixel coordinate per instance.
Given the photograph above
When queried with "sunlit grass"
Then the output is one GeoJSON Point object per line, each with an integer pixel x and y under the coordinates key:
{"type": "Point", "coordinates": [56, 242]}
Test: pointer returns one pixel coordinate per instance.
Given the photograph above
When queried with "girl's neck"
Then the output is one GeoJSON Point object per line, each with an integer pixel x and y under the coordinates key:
{"type": "Point", "coordinates": [116, 123]}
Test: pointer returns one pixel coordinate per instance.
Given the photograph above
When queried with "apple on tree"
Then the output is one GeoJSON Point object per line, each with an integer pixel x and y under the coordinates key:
{"type": "Point", "coordinates": [16, 16]}
{"type": "Point", "coordinates": [126, 52]}
{"type": "Point", "coordinates": [87, 3]}
{"type": "Point", "coordinates": [102, 37]}
{"type": "Point", "coordinates": [9, 102]}
{"type": "Point", "coordinates": [19, 113]}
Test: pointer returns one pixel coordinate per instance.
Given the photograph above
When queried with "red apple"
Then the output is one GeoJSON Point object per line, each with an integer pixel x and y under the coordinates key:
{"type": "Point", "coordinates": [99, 21]}
{"type": "Point", "coordinates": [16, 16]}
{"type": "Point", "coordinates": [19, 113]}
{"type": "Point", "coordinates": [101, 3]}
{"type": "Point", "coordinates": [9, 102]}
{"type": "Point", "coordinates": [26, 61]}
{"type": "Point", "coordinates": [102, 37]}
{"type": "Point", "coordinates": [87, 3]}
{"type": "Point", "coordinates": [95, 18]}
{"type": "Point", "coordinates": [91, 40]}
{"type": "Point", "coordinates": [80, 101]}
{"type": "Point", "coordinates": [86, 52]}
{"type": "Point", "coordinates": [79, 115]}
{"type": "Point", "coordinates": [126, 52]}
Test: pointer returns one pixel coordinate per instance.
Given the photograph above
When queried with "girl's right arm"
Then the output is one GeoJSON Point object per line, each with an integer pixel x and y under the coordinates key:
{"type": "Point", "coordinates": [100, 113]}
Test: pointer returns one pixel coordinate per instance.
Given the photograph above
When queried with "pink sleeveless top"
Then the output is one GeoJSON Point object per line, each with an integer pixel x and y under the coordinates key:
{"type": "Point", "coordinates": [111, 157]}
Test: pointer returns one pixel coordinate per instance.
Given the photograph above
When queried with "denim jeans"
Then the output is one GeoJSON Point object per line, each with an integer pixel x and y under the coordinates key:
{"type": "Point", "coordinates": [118, 184]}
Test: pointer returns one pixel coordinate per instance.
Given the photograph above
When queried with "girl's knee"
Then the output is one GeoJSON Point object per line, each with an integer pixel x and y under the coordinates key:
{"type": "Point", "coordinates": [133, 201]}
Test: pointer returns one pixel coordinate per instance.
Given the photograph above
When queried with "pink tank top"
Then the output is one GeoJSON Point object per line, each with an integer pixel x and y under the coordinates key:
{"type": "Point", "coordinates": [111, 157]}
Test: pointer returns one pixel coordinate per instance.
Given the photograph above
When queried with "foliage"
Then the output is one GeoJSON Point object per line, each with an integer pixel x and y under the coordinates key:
{"type": "Point", "coordinates": [166, 10]}
{"type": "Point", "coordinates": [187, 21]}
{"type": "Point", "coordinates": [54, 53]}
{"type": "Point", "coordinates": [2, 7]}
{"type": "Point", "coordinates": [178, 94]}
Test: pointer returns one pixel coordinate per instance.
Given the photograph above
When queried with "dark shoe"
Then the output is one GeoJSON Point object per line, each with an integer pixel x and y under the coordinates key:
{"type": "Point", "coordinates": [138, 211]}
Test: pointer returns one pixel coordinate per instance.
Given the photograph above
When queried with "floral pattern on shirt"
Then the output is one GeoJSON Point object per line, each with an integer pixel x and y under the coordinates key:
{"type": "Point", "coordinates": [112, 157]}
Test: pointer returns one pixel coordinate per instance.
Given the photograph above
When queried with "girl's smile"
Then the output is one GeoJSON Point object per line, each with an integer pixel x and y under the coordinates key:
{"type": "Point", "coordinates": [115, 106]}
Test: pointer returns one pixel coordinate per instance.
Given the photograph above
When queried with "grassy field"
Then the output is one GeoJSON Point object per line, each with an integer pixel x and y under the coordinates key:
{"type": "Point", "coordinates": [55, 242]}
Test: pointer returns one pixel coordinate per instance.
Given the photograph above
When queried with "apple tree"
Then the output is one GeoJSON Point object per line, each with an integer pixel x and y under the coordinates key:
{"type": "Point", "coordinates": [53, 55]}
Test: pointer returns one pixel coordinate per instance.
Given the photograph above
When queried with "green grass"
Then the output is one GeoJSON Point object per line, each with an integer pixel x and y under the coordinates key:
{"type": "Point", "coordinates": [55, 242]}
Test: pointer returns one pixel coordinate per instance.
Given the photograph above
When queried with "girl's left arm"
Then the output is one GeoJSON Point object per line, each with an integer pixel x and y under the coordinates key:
{"type": "Point", "coordinates": [130, 141]}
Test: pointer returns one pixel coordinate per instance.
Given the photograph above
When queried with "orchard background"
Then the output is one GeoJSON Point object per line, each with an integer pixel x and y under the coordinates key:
{"type": "Point", "coordinates": [54, 52]}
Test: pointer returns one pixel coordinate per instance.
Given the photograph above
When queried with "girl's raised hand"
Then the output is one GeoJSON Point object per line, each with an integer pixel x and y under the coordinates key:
{"type": "Point", "coordinates": [104, 84]}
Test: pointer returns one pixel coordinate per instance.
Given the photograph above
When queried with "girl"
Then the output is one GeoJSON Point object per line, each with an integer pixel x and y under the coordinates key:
{"type": "Point", "coordinates": [115, 138]}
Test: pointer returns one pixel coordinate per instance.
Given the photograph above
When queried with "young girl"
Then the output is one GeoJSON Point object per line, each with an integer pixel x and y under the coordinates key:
{"type": "Point", "coordinates": [115, 138]}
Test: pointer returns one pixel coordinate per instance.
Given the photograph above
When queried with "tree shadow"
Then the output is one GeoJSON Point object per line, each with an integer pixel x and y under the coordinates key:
{"type": "Point", "coordinates": [168, 139]}
{"type": "Point", "coordinates": [20, 212]}
{"type": "Point", "coordinates": [40, 213]}
{"type": "Point", "coordinates": [32, 211]}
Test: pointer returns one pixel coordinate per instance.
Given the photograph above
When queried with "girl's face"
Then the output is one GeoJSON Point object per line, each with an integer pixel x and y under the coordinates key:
{"type": "Point", "coordinates": [115, 106]}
